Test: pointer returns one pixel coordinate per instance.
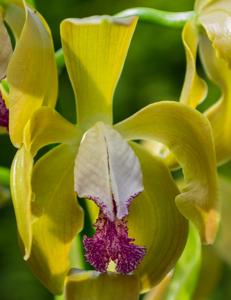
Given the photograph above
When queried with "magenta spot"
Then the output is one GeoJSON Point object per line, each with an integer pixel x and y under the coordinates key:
{"type": "Point", "coordinates": [111, 242]}
{"type": "Point", "coordinates": [4, 114]}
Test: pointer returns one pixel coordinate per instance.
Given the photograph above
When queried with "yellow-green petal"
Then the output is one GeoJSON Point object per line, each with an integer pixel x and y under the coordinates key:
{"type": "Point", "coordinates": [91, 285]}
{"type": "Point", "coordinates": [45, 127]}
{"type": "Point", "coordinates": [6, 48]}
{"type": "Point", "coordinates": [22, 196]}
{"type": "Point", "coordinates": [95, 49]}
{"type": "Point", "coordinates": [219, 114]}
{"type": "Point", "coordinates": [200, 4]}
{"type": "Point", "coordinates": [215, 17]}
{"type": "Point", "coordinates": [194, 89]}
{"type": "Point", "coordinates": [31, 73]}
{"type": "Point", "coordinates": [186, 133]}
{"type": "Point", "coordinates": [154, 220]}
{"type": "Point", "coordinates": [57, 216]}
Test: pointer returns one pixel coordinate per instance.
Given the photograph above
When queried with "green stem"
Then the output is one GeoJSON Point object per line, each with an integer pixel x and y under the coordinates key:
{"type": "Point", "coordinates": [145, 14]}
{"type": "Point", "coordinates": [158, 17]}
{"type": "Point", "coordinates": [4, 176]}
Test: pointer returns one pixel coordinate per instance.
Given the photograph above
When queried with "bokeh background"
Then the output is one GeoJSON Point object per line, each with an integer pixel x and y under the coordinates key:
{"type": "Point", "coordinates": [154, 71]}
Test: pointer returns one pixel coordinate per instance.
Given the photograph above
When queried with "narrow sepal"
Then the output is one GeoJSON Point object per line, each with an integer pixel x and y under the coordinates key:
{"type": "Point", "coordinates": [90, 46]}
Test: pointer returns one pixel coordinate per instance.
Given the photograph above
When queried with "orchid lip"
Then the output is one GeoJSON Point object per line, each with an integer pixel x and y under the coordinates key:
{"type": "Point", "coordinates": [111, 243]}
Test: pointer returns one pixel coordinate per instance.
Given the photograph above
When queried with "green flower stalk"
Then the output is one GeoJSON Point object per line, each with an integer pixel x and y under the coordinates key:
{"type": "Point", "coordinates": [140, 207]}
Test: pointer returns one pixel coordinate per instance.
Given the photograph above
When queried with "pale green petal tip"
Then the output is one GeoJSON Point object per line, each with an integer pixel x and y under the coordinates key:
{"type": "Point", "coordinates": [96, 20]}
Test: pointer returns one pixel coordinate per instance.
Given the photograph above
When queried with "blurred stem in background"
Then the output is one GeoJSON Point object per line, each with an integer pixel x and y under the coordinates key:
{"type": "Point", "coordinates": [4, 176]}
{"type": "Point", "coordinates": [158, 17]}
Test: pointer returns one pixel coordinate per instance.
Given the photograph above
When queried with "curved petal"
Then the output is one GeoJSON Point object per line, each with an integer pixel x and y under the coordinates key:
{"type": "Point", "coordinates": [187, 133]}
{"type": "Point", "coordinates": [45, 127]}
{"type": "Point", "coordinates": [22, 195]}
{"type": "Point", "coordinates": [200, 4]}
{"type": "Point", "coordinates": [219, 115]}
{"type": "Point", "coordinates": [31, 73]}
{"type": "Point", "coordinates": [91, 285]}
{"type": "Point", "coordinates": [5, 50]}
{"type": "Point", "coordinates": [57, 216]}
{"type": "Point", "coordinates": [90, 47]}
{"type": "Point", "coordinates": [216, 19]}
{"type": "Point", "coordinates": [154, 220]}
{"type": "Point", "coordinates": [194, 89]}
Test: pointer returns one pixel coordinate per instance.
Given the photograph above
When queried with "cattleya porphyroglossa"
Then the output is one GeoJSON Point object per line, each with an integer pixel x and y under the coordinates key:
{"type": "Point", "coordinates": [210, 31]}
{"type": "Point", "coordinates": [139, 226]}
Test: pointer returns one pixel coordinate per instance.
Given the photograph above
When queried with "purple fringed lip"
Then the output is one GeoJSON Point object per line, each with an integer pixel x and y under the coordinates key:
{"type": "Point", "coordinates": [4, 114]}
{"type": "Point", "coordinates": [111, 242]}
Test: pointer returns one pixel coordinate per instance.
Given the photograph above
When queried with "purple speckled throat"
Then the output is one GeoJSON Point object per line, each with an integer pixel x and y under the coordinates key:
{"type": "Point", "coordinates": [4, 114]}
{"type": "Point", "coordinates": [111, 242]}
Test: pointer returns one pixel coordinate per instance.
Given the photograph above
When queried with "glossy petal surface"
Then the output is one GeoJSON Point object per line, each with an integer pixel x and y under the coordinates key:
{"type": "Point", "coordinates": [186, 133]}
{"type": "Point", "coordinates": [194, 89]}
{"type": "Point", "coordinates": [22, 196]}
{"type": "Point", "coordinates": [90, 48]}
{"type": "Point", "coordinates": [155, 222]}
{"type": "Point", "coordinates": [33, 58]}
{"type": "Point", "coordinates": [45, 127]}
{"type": "Point", "coordinates": [50, 208]}
{"type": "Point", "coordinates": [90, 285]}
{"type": "Point", "coordinates": [57, 215]}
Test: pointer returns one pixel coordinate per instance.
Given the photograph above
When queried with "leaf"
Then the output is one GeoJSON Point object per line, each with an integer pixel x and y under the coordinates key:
{"type": "Point", "coordinates": [186, 272]}
{"type": "Point", "coordinates": [186, 133]}
{"type": "Point", "coordinates": [90, 47]}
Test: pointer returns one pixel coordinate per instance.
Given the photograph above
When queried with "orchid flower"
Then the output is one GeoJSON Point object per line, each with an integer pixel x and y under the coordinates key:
{"type": "Point", "coordinates": [32, 58]}
{"type": "Point", "coordinates": [210, 31]}
{"type": "Point", "coordinates": [142, 223]}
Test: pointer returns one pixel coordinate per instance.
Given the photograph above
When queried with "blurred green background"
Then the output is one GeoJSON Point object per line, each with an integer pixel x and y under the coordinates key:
{"type": "Point", "coordinates": [154, 71]}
